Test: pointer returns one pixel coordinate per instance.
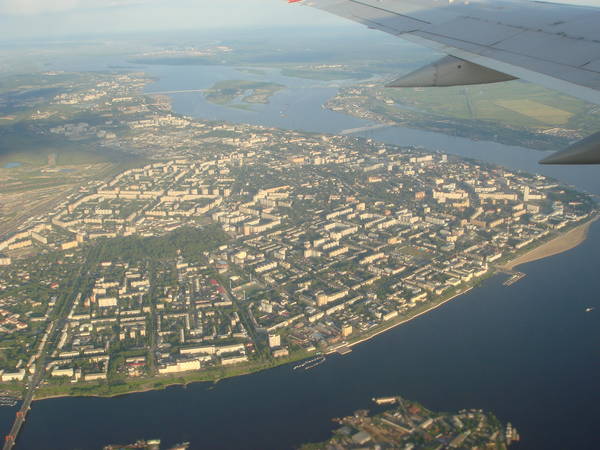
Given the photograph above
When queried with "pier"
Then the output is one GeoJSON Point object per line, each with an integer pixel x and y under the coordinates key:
{"type": "Point", "coordinates": [514, 278]}
{"type": "Point", "coordinates": [344, 350]}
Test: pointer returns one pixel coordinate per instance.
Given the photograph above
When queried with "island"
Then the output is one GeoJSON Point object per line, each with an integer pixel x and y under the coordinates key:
{"type": "Point", "coordinates": [410, 425]}
{"type": "Point", "coordinates": [161, 249]}
{"type": "Point", "coordinates": [241, 94]}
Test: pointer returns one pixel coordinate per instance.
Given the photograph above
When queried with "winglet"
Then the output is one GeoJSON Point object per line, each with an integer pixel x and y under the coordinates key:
{"type": "Point", "coordinates": [586, 151]}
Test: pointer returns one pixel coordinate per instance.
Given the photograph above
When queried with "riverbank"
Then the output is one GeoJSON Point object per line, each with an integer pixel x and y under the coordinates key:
{"type": "Point", "coordinates": [184, 379]}
{"type": "Point", "coordinates": [409, 359]}
{"type": "Point", "coordinates": [160, 382]}
{"type": "Point", "coordinates": [560, 244]}
{"type": "Point", "coordinates": [399, 322]}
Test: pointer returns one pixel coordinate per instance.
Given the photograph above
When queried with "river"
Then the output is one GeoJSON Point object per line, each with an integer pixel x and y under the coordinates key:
{"type": "Point", "coordinates": [299, 107]}
{"type": "Point", "coordinates": [528, 352]}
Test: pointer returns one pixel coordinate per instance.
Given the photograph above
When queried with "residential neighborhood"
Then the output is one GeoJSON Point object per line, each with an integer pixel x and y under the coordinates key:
{"type": "Point", "coordinates": [238, 247]}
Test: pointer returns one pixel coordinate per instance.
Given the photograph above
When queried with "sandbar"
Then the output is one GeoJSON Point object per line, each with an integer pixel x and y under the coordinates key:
{"type": "Point", "coordinates": [559, 244]}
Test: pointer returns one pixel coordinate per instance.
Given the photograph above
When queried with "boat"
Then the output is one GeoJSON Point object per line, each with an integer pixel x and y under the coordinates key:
{"type": "Point", "coordinates": [310, 363]}
{"type": "Point", "coordinates": [316, 363]}
{"type": "Point", "coordinates": [8, 403]}
{"type": "Point", "coordinates": [590, 309]}
{"type": "Point", "coordinates": [7, 400]}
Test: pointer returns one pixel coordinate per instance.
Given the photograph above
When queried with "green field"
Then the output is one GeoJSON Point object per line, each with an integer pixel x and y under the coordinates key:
{"type": "Point", "coordinates": [514, 104]}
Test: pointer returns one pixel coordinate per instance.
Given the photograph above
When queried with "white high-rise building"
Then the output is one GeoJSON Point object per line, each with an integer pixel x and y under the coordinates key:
{"type": "Point", "coordinates": [274, 340]}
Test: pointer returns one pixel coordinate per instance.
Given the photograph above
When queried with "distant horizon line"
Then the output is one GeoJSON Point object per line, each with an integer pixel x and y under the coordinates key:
{"type": "Point", "coordinates": [238, 29]}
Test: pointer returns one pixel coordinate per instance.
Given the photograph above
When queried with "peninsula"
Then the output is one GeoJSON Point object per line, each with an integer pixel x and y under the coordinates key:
{"type": "Point", "coordinates": [203, 250]}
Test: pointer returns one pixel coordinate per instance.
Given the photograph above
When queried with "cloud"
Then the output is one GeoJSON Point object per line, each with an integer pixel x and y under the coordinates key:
{"type": "Point", "coordinates": [33, 7]}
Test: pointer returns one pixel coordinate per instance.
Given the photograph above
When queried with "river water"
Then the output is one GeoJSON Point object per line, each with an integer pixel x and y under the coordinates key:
{"type": "Point", "coordinates": [528, 352]}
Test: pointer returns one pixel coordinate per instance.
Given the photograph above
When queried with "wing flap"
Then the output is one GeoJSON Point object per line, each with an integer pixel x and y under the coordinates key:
{"type": "Point", "coordinates": [594, 66]}
{"type": "Point", "coordinates": [480, 32]}
{"type": "Point", "coordinates": [553, 48]}
{"type": "Point", "coordinates": [382, 20]}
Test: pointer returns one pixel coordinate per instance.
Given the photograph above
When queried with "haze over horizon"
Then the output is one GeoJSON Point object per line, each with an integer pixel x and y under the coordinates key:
{"type": "Point", "coordinates": [30, 19]}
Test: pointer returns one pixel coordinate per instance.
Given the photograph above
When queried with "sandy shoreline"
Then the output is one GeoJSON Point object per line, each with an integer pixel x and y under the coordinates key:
{"type": "Point", "coordinates": [559, 244]}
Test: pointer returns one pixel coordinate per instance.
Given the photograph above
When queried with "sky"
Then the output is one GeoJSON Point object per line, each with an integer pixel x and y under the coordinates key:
{"type": "Point", "coordinates": [57, 18]}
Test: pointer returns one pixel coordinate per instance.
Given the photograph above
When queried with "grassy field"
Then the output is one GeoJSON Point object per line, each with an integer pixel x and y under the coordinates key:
{"type": "Point", "coordinates": [515, 104]}
{"type": "Point", "coordinates": [537, 111]}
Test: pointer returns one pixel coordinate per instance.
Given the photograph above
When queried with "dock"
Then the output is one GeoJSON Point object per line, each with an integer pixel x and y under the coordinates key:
{"type": "Point", "coordinates": [514, 278]}
{"type": "Point", "coordinates": [344, 350]}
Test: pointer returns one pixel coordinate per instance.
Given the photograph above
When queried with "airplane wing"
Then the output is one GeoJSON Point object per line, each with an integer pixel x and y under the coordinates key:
{"type": "Point", "coordinates": [554, 45]}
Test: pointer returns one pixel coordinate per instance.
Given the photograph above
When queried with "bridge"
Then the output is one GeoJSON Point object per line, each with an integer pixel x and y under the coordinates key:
{"type": "Point", "coordinates": [367, 128]}
{"type": "Point", "coordinates": [10, 438]}
{"type": "Point", "coordinates": [21, 415]}
{"type": "Point", "coordinates": [175, 92]}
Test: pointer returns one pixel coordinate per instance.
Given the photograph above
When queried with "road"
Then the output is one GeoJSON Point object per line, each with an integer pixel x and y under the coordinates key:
{"type": "Point", "coordinates": [46, 349]}
{"type": "Point", "coordinates": [34, 382]}
{"type": "Point", "coordinates": [244, 317]}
